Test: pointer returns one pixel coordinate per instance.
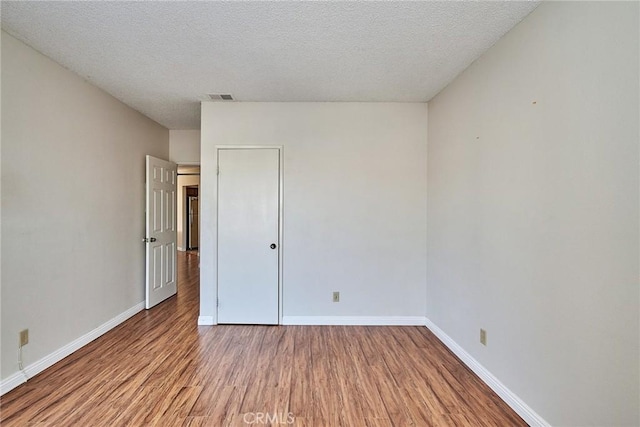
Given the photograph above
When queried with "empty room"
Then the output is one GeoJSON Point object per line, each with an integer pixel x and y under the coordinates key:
{"type": "Point", "coordinates": [342, 213]}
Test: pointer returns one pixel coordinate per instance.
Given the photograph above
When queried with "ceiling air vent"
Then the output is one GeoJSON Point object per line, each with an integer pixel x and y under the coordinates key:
{"type": "Point", "coordinates": [220, 97]}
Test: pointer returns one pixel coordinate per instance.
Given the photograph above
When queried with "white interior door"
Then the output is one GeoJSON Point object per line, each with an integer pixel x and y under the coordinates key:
{"type": "Point", "coordinates": [248, 235]}
{"type": "Point", "coordinates": [161, 235]}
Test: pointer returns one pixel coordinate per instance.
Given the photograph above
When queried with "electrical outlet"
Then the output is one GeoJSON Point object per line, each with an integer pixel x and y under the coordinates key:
{"type": "Point", "coordinates": [336, 297]}
{"type": "Point", "coordinates": [483, 337]}
{"type": "Point", "coordinates": [24, 337]}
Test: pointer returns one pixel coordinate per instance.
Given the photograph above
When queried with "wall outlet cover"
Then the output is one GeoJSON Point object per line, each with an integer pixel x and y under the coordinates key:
{"type": "Point", "coordinates": [24, 337]}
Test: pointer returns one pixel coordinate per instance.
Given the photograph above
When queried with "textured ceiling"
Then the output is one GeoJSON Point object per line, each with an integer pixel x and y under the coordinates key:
{"type": "Point", "coordinates": [162, 58]}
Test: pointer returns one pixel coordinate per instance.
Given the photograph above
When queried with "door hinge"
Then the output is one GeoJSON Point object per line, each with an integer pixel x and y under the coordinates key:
{"type": "Point", "coordinates": [218, 170]}
{"type": "Point", "coordinates": [217, 302]}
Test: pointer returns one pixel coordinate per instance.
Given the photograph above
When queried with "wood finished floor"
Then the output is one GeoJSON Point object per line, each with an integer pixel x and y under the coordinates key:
{"type": "Point", "coordinates": [160, 368]}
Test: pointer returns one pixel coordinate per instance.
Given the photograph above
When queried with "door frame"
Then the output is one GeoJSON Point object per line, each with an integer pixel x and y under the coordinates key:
{"type": "Point", "coordinates": [280, 149]}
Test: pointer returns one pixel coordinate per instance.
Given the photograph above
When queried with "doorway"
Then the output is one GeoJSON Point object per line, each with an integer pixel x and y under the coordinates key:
{"type": "Point", "coordinates": [188, 232]}
{"type": "Point", "coordinates": [192, 218]}
{"type": "Point", "coordinates": [188, 209]}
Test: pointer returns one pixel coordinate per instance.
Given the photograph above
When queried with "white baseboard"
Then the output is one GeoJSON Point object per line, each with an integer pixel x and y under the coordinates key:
{"type": "Point", "coordinates": [355, 320]}
{"type": "Point", "coordinates": [35, 368]}
{"type": "Point", "coordinates": [206, 321]}
{"type": "Point", "coordinates": [510, 398]}
{"type": "Point", "coordinates": [12, 382]}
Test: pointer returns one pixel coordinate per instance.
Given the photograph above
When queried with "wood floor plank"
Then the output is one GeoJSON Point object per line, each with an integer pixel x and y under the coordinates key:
{"type": "Point", "coordinates": [159, 368]}
{"type": "Point", "coordinates": [302, 385]}
{"type": "Point", "coordinates": [378, 422]}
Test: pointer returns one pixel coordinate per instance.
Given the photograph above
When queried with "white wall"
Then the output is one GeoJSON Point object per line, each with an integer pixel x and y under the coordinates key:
{"type": "Point", "coordinates": [72, 204]}
{"type": "Point", "coordinates": [1, 33]}
{"type": "Point", "coordinates": [533, 212]}
{"type": "Point", "coordinates": [184, 146]}
{"type": "Point", "coordinates": [354, 202]}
